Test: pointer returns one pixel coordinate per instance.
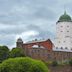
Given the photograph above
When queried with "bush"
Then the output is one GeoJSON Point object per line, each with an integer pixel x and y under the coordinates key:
{"type": "Point", "coordinates": [23, 65]}
{"type": "Point", "coordinates": [54, 63]}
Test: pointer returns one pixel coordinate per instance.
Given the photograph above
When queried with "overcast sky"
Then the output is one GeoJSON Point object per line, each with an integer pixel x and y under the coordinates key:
{"type": "Point", "coordinates": [30, 19]}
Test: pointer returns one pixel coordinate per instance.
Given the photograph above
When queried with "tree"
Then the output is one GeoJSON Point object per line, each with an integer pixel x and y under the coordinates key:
{"type": "Point", "coordinates": [16, 52]}
{"type": "Point", "coordinates": [23, 65]}
{"type": "Point", "coordinates": [4, 53]}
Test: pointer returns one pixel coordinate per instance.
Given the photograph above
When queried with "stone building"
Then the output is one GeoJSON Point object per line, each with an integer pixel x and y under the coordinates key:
{"type": "Point", "coordinates": [36, 49]}
{"type": "Point", "coordinates": [45, 50]}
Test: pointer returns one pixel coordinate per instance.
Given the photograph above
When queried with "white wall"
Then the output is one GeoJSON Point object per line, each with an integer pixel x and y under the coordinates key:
{"type": "Point", "coordinates": [64, 35]}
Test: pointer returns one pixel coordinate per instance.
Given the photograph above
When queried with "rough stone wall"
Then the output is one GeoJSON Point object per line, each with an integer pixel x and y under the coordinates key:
{"type": "Point", "coordinates": [39, 53]}
{"type": "Point", "coordinates": [60, 69]}
{"type": "Point", "coordinates": [46, 55]}
{"type": "Point", "coordinates": [61, 55]}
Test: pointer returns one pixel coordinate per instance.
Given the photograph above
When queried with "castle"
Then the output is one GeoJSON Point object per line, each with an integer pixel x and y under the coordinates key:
{"type": "Point", "coordinates": [45, 50]}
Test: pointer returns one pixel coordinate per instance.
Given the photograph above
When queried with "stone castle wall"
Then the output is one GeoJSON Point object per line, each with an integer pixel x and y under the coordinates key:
{"type": "Point", "coordinates": [60, 69]}
{"type": "Point", "coordinates": [47, 55]}
{"type": "Point", "coordinates": [44, 51]}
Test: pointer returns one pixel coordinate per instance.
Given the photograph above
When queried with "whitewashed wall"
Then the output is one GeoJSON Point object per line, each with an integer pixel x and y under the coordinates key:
{"type": "Point", "coordinates": [64, 35]}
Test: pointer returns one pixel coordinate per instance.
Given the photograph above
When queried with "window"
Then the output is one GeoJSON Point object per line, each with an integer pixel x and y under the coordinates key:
{"type": "Point", "coordinates": [59, 41]}
{"type": "Point", "coordinates": [33, 51]}
{"type": "Point", "coordinates": [66, 48]}
{"type": "Point", "coordinates": [67, 26]}
{"type": "Point", "coordinates": [61, 47]}
{"type": "Point", "coordinates": [38, 50]}
{"type": "Point", "coordinates": [67, 31]}
{"type": "Point", "coordinates": [61, 26]}
{"type": "Point", "coordinates": [49, 56]}
{"type": "Point", "coordinates": [67, 36]}
{"type": "Point", "coordinates": [61, 31]}
{"type": "Point", "coordinates": [56, 47]}
{"type": "Point", "coordinates": [64, 41]}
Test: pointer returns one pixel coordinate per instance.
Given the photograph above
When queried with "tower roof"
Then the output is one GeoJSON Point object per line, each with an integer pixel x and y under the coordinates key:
{"type": "Point", "coordinates": [19, 40]}
{"type": "Point", "coordinates": [65, 18]}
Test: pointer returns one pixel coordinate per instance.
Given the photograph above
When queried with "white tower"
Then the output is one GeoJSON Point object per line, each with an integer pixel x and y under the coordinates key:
{"type": "Point", "coordinates": [64, 33]}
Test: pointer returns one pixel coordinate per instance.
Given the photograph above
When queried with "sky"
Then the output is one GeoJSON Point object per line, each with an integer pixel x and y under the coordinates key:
{"type": "Point", "coordinates": [30, 19]}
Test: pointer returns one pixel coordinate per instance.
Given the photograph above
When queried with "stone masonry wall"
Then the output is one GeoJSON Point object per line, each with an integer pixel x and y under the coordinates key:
{"type": "Point", "coordinates": [60, 69]}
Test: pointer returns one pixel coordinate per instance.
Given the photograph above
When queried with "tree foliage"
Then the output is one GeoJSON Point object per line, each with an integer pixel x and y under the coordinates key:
{"type": "Point", "coordinates": [4, 53]}
{"type": "Point", "coordinates": [23, 65]}
{"type": "Point", "coordinates": [16, 52]}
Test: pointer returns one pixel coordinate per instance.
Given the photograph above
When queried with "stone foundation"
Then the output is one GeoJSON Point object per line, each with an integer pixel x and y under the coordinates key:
{"type": "Point", "coordinates": [60, 68]}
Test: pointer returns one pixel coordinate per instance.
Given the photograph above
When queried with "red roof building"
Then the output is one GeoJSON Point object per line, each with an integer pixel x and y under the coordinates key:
{"type": "Point", "coordinates": [45, 43]}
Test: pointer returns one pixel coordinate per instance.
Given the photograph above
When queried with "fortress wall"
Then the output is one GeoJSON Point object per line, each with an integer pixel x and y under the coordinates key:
{"type": "Point", "coordinates": [60, 69]}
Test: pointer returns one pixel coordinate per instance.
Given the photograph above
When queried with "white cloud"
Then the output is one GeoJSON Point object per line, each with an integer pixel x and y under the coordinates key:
{"type": "Point", "coordinates": [26, 35]}
{"type": "Point", "coordinates": [16, 15]}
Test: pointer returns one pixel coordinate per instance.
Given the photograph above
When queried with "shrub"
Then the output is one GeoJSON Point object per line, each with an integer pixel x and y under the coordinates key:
{"type": "Point", "coordinates": [54, 63]}
{"type": "Point", "coordinates": [23, 65]}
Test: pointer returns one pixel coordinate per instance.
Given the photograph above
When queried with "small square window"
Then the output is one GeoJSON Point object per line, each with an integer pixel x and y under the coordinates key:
{"type": "Point", "coordinates": [61, 47]}
{"type": "Point", "coordinates": [61, 31]}
{"type": "Point", "coordinates": [64, 41]}
{"type": "Point", "coordinates": [67, 26]}
{"type": "Point", "coordinates": [61, 26]}
{"type": "Point", "coordinates": [66, 48]}
{"type": "Point", "coordinates": [56, 47]}
{"type": "Point", "coordinates": [59, 41]}
{"type": "Point", "coordinates": [67, 31]}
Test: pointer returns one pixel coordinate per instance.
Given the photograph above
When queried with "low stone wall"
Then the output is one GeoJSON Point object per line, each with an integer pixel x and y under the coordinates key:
{"type": "Point", "coordinates": [60, 68]}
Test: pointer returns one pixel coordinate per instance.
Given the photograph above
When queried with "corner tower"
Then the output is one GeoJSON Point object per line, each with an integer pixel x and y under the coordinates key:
{"type": "Point", "coordinates": [64, 32]}
{"type": "Point", "coordinates": [19, 43]}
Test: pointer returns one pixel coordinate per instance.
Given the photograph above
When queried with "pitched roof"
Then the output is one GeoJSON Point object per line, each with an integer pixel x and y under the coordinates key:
{"type": "Point", "coordinates": [44, 43]}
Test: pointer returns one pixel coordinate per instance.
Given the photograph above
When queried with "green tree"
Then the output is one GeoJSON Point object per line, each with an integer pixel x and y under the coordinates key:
{"type": "Point", "coordinates": [4, 53]}
{"type": "Point", "coordinates": [16, 52]}
{"type": "Point", "coordinates": [23, 65]}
